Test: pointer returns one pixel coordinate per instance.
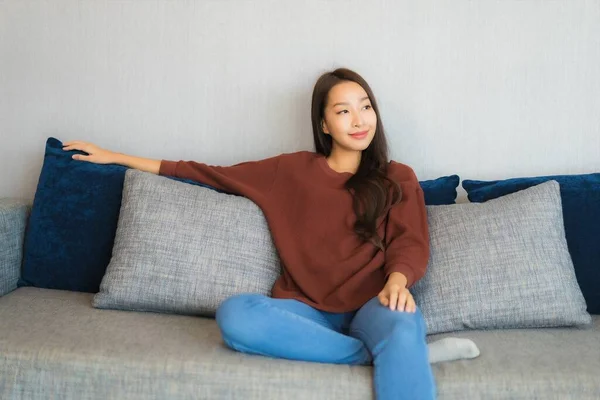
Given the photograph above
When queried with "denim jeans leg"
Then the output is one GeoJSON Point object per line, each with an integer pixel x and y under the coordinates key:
{"type": "Point", "coordinates": [397, 341]}
{"type": "Point", "coordinates": [285, 328]}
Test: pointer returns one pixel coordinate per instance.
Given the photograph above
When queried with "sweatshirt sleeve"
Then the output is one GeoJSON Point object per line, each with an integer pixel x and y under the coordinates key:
{"type": "Point", "coordinates": [407, 233]}
{"type": "Point", "coordinates": [252, 179]}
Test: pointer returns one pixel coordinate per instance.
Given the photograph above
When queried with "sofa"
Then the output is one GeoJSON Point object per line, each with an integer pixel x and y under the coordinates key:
{"type": "Point", "coordinates": [89, 311]}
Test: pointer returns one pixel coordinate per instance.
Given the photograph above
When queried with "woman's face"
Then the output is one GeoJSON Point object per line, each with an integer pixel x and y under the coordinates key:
{"type": "Point", "coordinates": [348, 111]}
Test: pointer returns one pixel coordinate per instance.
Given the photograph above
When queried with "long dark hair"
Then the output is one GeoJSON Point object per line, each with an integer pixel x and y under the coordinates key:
{"type": "Point", "coordinates": [373, 193]}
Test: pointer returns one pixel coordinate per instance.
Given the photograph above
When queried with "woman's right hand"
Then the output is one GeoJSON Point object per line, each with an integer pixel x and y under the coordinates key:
{"type": "Point", "coordinates": [95, 155]}
{"type": "Point", "coordinates": [98, 155]}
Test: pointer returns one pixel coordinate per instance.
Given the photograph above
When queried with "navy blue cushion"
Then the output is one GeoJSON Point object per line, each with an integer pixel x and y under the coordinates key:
{"type": "Point", "coordinates": [440, 191]}
{"type": "Point", "coordinates": [73, 221]}
{"type": "Point", "coordinates": [580, 195]}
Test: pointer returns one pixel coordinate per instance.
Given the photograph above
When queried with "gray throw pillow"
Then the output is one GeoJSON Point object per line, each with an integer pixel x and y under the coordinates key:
{"type": "Point", "coordinates": [181, 248]}
{"type": "Point", "coordinates": [500, 264]}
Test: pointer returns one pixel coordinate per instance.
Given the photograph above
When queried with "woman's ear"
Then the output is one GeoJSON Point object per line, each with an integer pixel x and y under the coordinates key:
{"type": "Point", "coordinates": [324, 127]}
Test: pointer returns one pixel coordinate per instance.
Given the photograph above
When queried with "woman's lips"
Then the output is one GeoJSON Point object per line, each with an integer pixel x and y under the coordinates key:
{"type": "Point", "coordinates": [359, 135]}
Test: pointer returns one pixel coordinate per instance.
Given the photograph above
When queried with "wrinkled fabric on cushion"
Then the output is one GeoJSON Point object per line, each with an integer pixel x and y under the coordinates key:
{"type": "Point", "coordinates": [500, 264]}
{"type": "Point", "coordinates": [580, 196]}
{"type": "Point", "coordinates": [183, 249]}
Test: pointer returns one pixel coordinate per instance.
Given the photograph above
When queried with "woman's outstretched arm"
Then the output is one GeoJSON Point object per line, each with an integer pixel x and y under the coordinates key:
{"type": "Point", "coordinates": [98, 155]}
{"type": "Point", "coordinates": [252, 179]}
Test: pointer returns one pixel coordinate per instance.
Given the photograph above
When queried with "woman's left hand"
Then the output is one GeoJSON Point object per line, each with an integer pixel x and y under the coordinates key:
{"type": "Point", "coordinates": [397, 297]}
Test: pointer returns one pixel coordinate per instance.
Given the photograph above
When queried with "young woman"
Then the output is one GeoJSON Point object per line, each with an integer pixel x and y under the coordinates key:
{"type": "Point", "coordinates": [351, 230]}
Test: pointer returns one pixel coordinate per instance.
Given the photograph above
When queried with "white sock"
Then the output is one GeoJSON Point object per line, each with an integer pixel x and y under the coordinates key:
{"type": "Point", "coordinates": [452, 348]}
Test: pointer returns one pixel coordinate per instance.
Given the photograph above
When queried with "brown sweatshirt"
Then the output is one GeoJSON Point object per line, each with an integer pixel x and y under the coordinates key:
{"type": "Point", "coordinates": [324, 262]}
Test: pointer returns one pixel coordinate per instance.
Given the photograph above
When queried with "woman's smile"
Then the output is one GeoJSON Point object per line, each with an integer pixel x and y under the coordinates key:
{"type": "Point", "coordinates": [359, 135]}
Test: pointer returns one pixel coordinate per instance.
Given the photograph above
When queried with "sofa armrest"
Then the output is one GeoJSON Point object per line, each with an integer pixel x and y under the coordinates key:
{"type": "Point", "coordinates": [13, 219]}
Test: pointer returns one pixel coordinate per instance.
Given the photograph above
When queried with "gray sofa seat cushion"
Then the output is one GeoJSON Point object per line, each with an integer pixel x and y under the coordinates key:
{"type": "Point", "coordinates": [57, 344]}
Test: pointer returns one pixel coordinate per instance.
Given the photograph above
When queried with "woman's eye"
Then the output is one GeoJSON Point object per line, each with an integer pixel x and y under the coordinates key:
{"type": "Point", "coordinates": [367, 107]}
{"type": "Point", "coordinates": [343, 111]}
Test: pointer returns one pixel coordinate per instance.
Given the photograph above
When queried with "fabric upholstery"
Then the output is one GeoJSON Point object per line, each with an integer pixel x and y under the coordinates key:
{"type": "Point", "coordinates": [184, 249]}
{"type": "Point", "coordinates": [58, 346]}
{"type": "Point", "coordinates": [13, 219]}
{"type": "Point", "coordinates": [500, 264]}
{"type": "Point", "coordinates": [73, 222]}
{"type": "Point", "coordinates": [580, 196]}
{"type": "Point", "coordinates": [441, 190]}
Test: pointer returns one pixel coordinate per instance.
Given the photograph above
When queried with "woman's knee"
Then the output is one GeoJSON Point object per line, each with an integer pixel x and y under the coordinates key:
{"type": "Point", "coordinates": [406, 324]}
{"type": "Point", "coordinates": [409, 328]}
{"type": "Point", "coordinates": [235, 315]}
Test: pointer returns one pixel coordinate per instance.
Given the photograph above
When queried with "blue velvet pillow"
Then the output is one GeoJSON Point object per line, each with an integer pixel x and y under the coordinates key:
{"type": "Point", "coordinates": [73, 221]}
{"type": "Point", "coordinates": [440, 191]}
{"type": "Point", "coordinates": [580, 195]}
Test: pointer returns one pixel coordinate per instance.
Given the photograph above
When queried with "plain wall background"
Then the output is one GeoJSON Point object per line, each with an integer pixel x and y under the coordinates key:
{"type": "Point", "coordinates": [483, 89]}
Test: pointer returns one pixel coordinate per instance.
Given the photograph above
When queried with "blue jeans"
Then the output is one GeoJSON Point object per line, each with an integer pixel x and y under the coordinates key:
{"type": "Point", "coordinates": [393, 341]}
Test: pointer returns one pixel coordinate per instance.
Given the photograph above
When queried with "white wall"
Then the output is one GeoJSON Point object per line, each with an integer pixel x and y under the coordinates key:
{"type": "Point", "coordinates": [484, 89]}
